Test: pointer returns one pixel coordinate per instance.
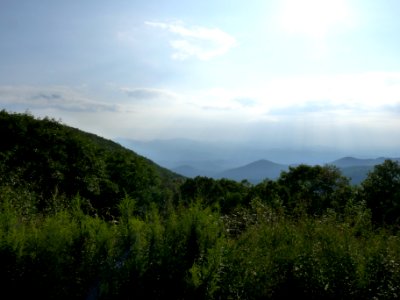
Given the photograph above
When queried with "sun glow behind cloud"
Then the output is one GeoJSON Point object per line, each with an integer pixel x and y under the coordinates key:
{"type": "Point", "coordinates": [313, 18]}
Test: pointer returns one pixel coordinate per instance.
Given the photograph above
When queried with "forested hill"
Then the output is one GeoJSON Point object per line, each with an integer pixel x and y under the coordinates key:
{"type": "Point", "coordinates": [55, 161]}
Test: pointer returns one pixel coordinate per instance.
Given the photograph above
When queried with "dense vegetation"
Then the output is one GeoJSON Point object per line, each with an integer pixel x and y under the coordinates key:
{"type": "Point", "coordinates": [83, 218]}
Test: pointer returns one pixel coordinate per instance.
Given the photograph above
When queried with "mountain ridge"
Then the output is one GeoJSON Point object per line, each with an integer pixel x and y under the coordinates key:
{"type": "Point", "coordinates": [350, 161]}
{"type": "Point", "coordinates": [356, 169]}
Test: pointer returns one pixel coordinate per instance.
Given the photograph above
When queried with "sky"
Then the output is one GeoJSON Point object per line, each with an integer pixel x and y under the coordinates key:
{"type": "Point", "coordinates": [287, 73]}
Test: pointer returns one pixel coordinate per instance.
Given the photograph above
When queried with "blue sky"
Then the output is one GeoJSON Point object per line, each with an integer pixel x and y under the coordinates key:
{"type": "Point", "coordinates": [276, 73]}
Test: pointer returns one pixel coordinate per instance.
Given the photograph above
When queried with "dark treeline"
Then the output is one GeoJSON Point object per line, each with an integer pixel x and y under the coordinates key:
{"type": "Point", "coordinates": [83, 218]}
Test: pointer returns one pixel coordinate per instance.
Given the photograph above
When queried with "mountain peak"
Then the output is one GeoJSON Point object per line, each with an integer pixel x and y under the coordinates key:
{"type": "Point", "coordinates": [262, 162]}
{"type": "Point", "coordinates": [255, 171]}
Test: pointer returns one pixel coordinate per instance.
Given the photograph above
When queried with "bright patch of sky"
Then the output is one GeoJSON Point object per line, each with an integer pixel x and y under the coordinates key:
{"type": "Point", "coordinates": [277, 73]}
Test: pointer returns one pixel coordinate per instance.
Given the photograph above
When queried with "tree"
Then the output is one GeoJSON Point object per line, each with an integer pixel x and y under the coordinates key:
{"type": "Point", "coordinates": [313, 189]}
{"type": "Point", "coordinates": [381, 191]}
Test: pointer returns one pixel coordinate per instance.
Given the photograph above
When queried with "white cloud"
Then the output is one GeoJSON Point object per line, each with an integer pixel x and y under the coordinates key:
{"type": "Point", "coordinates": [199, 42]}
{"type": "Point", "coordinates": [366, 98]}
{"type": "Point", "coordinates": [356, 93]}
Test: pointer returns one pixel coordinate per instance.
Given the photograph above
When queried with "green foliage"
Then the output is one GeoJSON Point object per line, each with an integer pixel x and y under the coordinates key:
{"type": "Point", "coordinates": [313, 189]}
{"type": "Point", "coordinates": [381, 191]}
{"type": "Point", "coordinates": [187, 252]}
{"type": "Point", "coordinates": [314, 259]}
{"type": "Point", "coordinates": [56, 256]}
{"type": "Point", "coordinates": [222, 194]}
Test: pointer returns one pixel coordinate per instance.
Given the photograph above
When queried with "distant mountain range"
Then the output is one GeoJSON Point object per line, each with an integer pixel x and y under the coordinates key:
{"type": "Point", "coordinates": [347, 162]}
{"type": "Point", "coordinates": [354, 168]}
{"type": "Point", "coordinates": [193, 158]}
{"type": "Point", "coordinates": [357, 169]}
{"type": "Point", "coordinates": [219, 156]}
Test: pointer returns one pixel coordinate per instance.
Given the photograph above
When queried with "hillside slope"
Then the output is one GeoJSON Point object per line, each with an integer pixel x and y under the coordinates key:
{"type": "Point", "coordinates": [53, 160]}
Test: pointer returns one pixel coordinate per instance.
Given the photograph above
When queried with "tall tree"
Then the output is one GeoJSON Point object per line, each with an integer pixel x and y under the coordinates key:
{"type": "Point", "coordinates": [381, 191]}
{"type": "Point", "coordinates": [313, 189]}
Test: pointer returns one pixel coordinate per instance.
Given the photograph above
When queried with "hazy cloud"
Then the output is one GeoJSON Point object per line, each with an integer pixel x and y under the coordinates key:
{"type": "Point", "coordinates": [199, 42]}
{"type": "Point", "coordinates": [247, 102]}
{"type": "Point", "coordinates": [148, 93]}
{"type": "Point", "coordinates": [61, 98]}
{"type": "Point", "coordinates": [394, 108]}
{"type": "Point", "coordinates": [215, 108]}
{"type": "Point", "coordinates": [50, 96]}
{"type": "Point", "coordinates": [320, 107]}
